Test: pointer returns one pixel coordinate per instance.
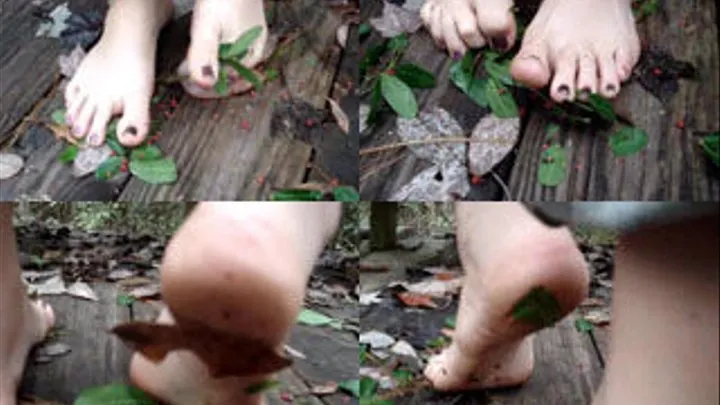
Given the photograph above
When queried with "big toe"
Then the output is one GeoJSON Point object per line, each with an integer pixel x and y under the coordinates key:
{"type": "Point", "coordinates": [439, 373]}
{"type": "Point", "coordinates": [133, 127]}
{"type": "Point", "coordinates": [497, 23]}
{"type": "Point", "coordinates": [45, 317]}
{"type": "Point", "coordinates": [530, 67]}
{"type": "Point", "coordinates": [202, 57]}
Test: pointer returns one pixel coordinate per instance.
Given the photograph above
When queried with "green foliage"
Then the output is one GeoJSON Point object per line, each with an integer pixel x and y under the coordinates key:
{"type": "Point", "coordinates": [398, 95]}
{"type": "Point", "coordinates": [114, 394]}
{"type": "Point", "coordinates": [711, 146]}
{"type": "Point", "coordinates": [628, 141]}
{"type": "Point", "coordinates": [553, 166]}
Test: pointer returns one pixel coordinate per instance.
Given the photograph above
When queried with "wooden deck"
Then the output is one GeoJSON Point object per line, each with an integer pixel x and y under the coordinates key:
{"type": "Point", "coordinates": [671, 168]}
{"type": "Point", "coordinates": [217, 158]}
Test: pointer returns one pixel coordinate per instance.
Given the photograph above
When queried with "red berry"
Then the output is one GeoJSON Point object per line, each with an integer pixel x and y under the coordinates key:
{"type": "Point", "coordinates": [309, 123]}
{"type": "Point", "coordinates": [391, 72]}
{"type": "Point", "coordinates": [680, 124]}
{"type": "Point", "coordinates": [476, 180]}
{"type": "Point", "coordinates": [260, 180]}
{"type": "Point", "coordinates": [657, 71]}
{"type": "Point", "coordinates": [245, 124]}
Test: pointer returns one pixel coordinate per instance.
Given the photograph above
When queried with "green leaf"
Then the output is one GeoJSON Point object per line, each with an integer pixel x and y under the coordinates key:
{"type": "Point", "coordinates": [146, 152]}
{"type": "Point", "coordinates": [398, 43]}
{"type": "Point", "coordinates": [242, 44]}
{"type": "Point", "coordinates": [346, 194]}
{"type": "Point", "coordinates": [450, 322]}
{"type": "Point", "coordinates": [158, 171]}
{"type": "Point", "coordinates": [398, 95]}
{"type": "Point", "coordinates": [68, 154]}
{"type": "Point", "coordinates": [478, 91]}
{"type": "Point", "coordinates": [351, 386]}
{"type": "Point", "coordinates": [463, 78]}
{"type": "Point", "coordinates": [109, 168]}
{"type": "Point", "coordinates": [362, 355]}
{"type": "Point", "coordinates": [499, 71]}
{"type": "Point", "coordinates": [296, 195]}
{"type": "Point", "coordinates": [364, 29]}
{"type": "Point", "coordinates": [628, 141]}
{"type": "Point", "coordinates": [264, 386]}
{"type": "Point", "coordinates": [115, 394]}
{"type": "Point", "coordinates": [403, 376]}
{"type": "Point", "coordinates": [439, 341]}
{"type": "Point", "coordinates": [375, 103]}
{"type": "Point", "coordinates": [58, 117]}
{"type": "Point", "coordinates": [271, 74]}
{"type": "Point", "coordinates": [111, 131]}
{"type": "Point", "coordinates": [539, 308]}
{"type": "Point", "coordinates": [711, 146]}
{"type": "Point", "coordinates": [246, 73]}
{"type": "Point", "coordinates": [582, 325]}
{"type": "Point", "coordinates": [368, 387]}
{"type": "Point", "coordinates": [314, 318]}
{"type": "Point", "coordinates": [222, 86]}
{"type": "Point", "coordinates": [602, 107]}
{"type": "Point", "coordinates": [116, 147]}
{"type": "Point", "coordinates": [553, 166]}
{"type": "Point", "coordinates": [552, 130]}
{"type": "Point", "coordinates": [415, 76]}
{"type": "Point", "coordinates": [500, 99]}
{"type": "Point", "coordinates": [125, 300]}
{"type": "Point", "coordinates": [460, 77]}
{"type": "Point", "coordinates": [372, 57]}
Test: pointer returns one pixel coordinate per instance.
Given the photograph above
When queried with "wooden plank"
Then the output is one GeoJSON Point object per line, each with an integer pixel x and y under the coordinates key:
{"type": "Point", "coordinates": [97, 357]}
{"type": "Point", "coordinates": [672, 167]}
{"type": "Point", "coordinates": [27, 63]}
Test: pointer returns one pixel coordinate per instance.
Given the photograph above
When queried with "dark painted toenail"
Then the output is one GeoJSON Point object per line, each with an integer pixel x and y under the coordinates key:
{"type": "Point", "coordinates": [457, 55]}
{"type": "Point", "coordinates": [94, 140]}
{"type": "Point", "coordinates": [610, 88]}
{"type": "Point", "coordinates": [564, 89]}
{"type": "Point", "coordinates": [131, 130]}
{"type": "Point", "coordinates": [499, 43]}
{"type": "Point", "coordinates": [207, 71]}
{"type": "Point", "coordinates": [584, 93]}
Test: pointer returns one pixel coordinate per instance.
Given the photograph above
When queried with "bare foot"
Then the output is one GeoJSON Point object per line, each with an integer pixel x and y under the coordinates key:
{"type": "Point", "coordinates": [586, 46]}
{"type": "Point", "coordinates": [462, 24]}
{"type": "Point", "coordinates": [239, 268]}
{"type": "Point", "coordinates": [117, 75]}
{"type": "Point", "coordinates": [216, 22]}
{"type": "Point", "coordinates": [521, 277]}
{"type": "Point", "coordinates": [21, 329]}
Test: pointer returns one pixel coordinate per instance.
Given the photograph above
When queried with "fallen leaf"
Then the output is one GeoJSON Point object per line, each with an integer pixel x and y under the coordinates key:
{"type": "Point", "coordinates": [57, 23]}
{"type": "Point", "coordinates": [351, 386]}
{"type": "Point", "coordinates": [145, 292]}
{"type": "Point", "coordinates": [70, 63]}
{"type": "Point", "coordinates": [223, 353]}
{"type": "Point", "coordinates": [342, 34]}
{"type": "Point", "coordinates": [314, 318]}
{"type": "Point", "coordinates": [492, 139]}
{"type": "Point", "coordinates": [404, 348]}
{"type": "Point", "coordinates": [432, 287]}
{"type": "Point", "coordinates": [416, 300]}
{"type": "Point", "coordinates": [324, 389]}
{"type": "Point", "coordinates": [82, 290]}
{"type": "Point", "coordinates": [376, 339]}
{"type": "Point", "coordinates": [396, 20]}
{"type": "Point", "coordinates": [598, 317]}
{"type": "Point", "coordinates": [370, 298]}
{"type": "Point", "coordinates": [449, 275]}
{"type": "Point", "coordinates": [10, 165]}
{"type": "Point", "coordinates": [116, 275]}
{"type": "Point", "coordinates": [89, 159]}
{"type": "Point", "coordinates": [114, 394]}
{"type": "Point", "coordinates": [53, 286]}
{"type": "Point", "coordinates": [342, 119]}
{"type": "Point", "coordinates": [53, 350]}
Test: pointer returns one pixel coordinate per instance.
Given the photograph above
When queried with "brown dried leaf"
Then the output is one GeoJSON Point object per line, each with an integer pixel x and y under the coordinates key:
{"type": "Point", "coordinates": [416, 300]}
{"type": "Point", "coordinates": [224, 354]}
{"type": "Point", "coordinates": [324, 389]}
{"type": "Point", "coordinates": [342, 119]}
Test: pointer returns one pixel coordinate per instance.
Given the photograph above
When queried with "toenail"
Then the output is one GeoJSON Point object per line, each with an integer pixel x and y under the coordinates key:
{"type": "Point", "coordinates": [564, 89]}
{"type": "Point", "coordinates": [456, 55]}
{"type": "Point", "coordinates": [499, 43]}
{"type": "Point", "coordinates": [610, 88]}
{"type": "Point", "coordinates": [584, 93]}
{"type": "Point", "coordinates": [131, 130]}
{"type": "Point", "coordinates": [207, 71]}
{"type": "Point", "coordinates": [77, 130]}
{"type": "Point", "coordinates": [94, 140]}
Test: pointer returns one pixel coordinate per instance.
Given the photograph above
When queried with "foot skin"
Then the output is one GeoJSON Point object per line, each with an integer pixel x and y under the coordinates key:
{"type": "Point", "coordinates": [461, 24]}
{"type": "Point", "coordinates": [510, 258]}
{"type": "Point", "coordinates": [20, 331]}
{"type": "Point", "coordinates": [569, 46]}
{"type": "Point", "coordinates": [240, 268]}
{"type": "Point", "coordinates": [116, 77]}
{"type": "Point", "coordinates": [217, 22]}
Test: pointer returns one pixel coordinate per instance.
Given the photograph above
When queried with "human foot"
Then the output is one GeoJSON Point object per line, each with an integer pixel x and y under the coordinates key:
{"type": "Point", "coordinates": [462, 24]}
{"type": "Point", "coordinates": [239, 268]}
{"type": "Point", "coordinates": [216, 22]}
{"type": "Point", "coordinates": [21, 329]}
{"type": "Point", "coordinates": [521, 277]}
{"type": "Point", "coordinates": [117, 75]}
{"type": "Point", "coordinates": [586, 46]}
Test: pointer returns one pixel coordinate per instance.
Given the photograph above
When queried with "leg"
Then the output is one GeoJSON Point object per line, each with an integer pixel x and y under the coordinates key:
{"type": "Point", "coordinates": [461, 24]}
{"type": "Point", "coordinates": [117, 75]}
{"type": "Point", "coordinates": [22, 322]}
{"type": "Point", "coordinates": [216, 22]}
{"type": "Point", "coordinates": [506, 254]}
{"type": "Point", "coordinates": [241, 268]}
{"type": "Point", "coordinates": [664, 346]}
{"type": "Point", "coordinates": [570, 41]}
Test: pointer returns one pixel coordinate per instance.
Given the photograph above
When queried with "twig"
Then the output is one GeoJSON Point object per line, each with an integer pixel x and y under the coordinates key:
{"type": "Point", "coordinates": [376, 149]}
{"type": "Point", "coordinates": [376, 168]}
{"type": "Point", "coordinates": [415, 386]}
{"type": "Point", "coordinates": [502, 184]}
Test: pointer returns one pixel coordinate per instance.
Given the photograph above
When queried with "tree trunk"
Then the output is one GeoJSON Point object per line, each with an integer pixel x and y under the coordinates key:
{"type": "Point", "coordinates": [383, 223]}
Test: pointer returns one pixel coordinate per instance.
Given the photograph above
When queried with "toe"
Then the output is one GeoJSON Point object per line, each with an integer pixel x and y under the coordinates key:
{"type": "Point", "coordinates": [135, 122]}
{"type": "Point", "coordinates": [81, 121]}
{"type": "Point", "coordinates": [99, 124]}
{"type": "Point", "coordinates": [530, 67]}
{"type": "Point", "coordinates": [72, 91]}
{"type": "Point", "coordinates": [467, 26]}
{"type": "Point", "coordinates": [455, 44]}
{"type": "Point", "coordinates": [609, 81]}
{"type": "Point", "coordinates": [497, 23]}
{"type": "Point", "coordinates": [565, 72]}
{"type": "Point", "coordinates": [203, 52]}
{"type": "Point", "coordinates": [74, 106]}
{"type": "Point", "coordinates": [586, 76]}
{"type": "Point", "coordinates": [436, 26]}
{"type": "Point", "coordinates": [623, 64]}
